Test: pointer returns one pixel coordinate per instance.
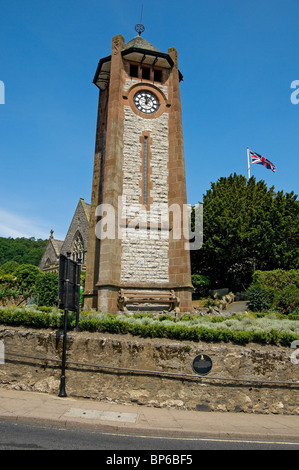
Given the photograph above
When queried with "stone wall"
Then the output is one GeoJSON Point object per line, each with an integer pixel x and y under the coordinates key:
{"type": "Point", "coordinates": [251, 379]}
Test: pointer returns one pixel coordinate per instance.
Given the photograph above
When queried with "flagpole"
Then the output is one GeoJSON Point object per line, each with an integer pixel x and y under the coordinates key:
{"type": "Point", "coordinates": [248, 163]}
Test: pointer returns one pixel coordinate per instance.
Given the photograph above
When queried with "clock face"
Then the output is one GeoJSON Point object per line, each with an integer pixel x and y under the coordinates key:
{"type": "Point", "coordinates": [146, 102]}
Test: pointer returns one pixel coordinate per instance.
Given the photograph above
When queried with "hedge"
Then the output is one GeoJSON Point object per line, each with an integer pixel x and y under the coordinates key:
{"type": "Point", "coordinates": [111, 324]}
{"type": "Point", "coordinates": [46, 286]}
{"type": "Point", "coordinates": [34, 319]}
{"type": "Point", "coordinates": [277, 278]}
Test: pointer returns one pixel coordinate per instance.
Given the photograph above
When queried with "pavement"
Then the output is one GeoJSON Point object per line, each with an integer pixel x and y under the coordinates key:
{"type": "Point", "coordinates": [46, 409]}
{"type": "Point", "coordinates": [237, 307]}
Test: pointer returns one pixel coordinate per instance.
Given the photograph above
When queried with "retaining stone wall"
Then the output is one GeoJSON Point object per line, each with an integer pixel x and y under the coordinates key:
{"type": "Point", "coordinates": [241, 363]}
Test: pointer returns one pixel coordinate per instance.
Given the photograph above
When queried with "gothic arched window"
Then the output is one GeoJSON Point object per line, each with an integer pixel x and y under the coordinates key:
{"type": "Point", "coordinates": [77, 248]}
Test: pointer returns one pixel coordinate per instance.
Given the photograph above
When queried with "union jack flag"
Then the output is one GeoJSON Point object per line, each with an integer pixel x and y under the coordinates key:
{"type": "Point", "coordinates": [256, 158]}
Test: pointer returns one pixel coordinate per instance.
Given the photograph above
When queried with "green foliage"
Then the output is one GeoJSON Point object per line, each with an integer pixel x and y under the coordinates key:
{"type": "Point", "coordinates": [9, 267]}
{"type": "Point", "coordinates": [8, 280]}
{"type": "Point", "coordinates": [201, 284]}
{"type": "Point", "coordinates": [8, 293]}
{"type": "Point", "coordinates": [21, 250]}
{"type": "Point", "coordinates": [278, 278]}
{"type": "Point", "coordinates": [26, 275]}
{"type": "Point", "coordinates": [46, 286]}
{"type": "Point", "coordinates": [41, 317]}
{"type": "Point", "coordinates": [277, 289]}
{"type": "Point", "coordinates": [24, 280]}
{"type": "Point", "coordinates": [287, 300]}
{"type": "Point", "coordinates": [260, 299]}
{"type": "Point", "coordinates": [21, 282]}
{"type": "Point", "coordinates": [9, 288]}
{"type": "Point", "coordinates": [240, 330]}
{"type": "Point", "coordinates": [246, 226]}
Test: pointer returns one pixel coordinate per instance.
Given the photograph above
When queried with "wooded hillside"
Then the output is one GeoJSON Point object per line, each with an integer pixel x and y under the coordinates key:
{"type": "Point", "coordinates": [21, 250]}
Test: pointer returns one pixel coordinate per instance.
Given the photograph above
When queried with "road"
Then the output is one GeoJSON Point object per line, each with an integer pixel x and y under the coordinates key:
{"type": "Point", "coordinates": [23, 436]}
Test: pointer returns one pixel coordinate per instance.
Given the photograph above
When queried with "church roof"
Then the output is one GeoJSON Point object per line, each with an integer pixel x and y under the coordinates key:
{"type": "Point", "coordinates": [86, 208]}
{"type": "Point", "coordinates": [57, 244]}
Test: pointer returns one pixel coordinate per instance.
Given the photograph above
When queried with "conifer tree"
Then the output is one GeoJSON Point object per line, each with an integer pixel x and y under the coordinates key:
{"type": "Point", "coordinates": [246, 226]}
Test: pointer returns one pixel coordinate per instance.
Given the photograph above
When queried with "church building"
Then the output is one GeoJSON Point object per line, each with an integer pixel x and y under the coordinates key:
{"type": "Point", "coordinates": [76, 241]}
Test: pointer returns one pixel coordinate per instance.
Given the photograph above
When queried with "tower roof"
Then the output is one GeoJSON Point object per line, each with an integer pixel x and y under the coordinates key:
{"type": "Point", "coordinates": [140, 43]}
{"type": "Point", "coordinates": [139, 50]}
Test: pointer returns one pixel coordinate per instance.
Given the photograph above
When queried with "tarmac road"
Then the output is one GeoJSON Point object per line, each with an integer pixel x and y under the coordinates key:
{"type": "Point", "coordinates": [27, 436]}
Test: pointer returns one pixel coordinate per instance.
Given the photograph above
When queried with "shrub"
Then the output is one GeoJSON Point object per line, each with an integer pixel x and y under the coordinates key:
{"type": "Point", "coordinates": [263, 331]}
{"type": "Point", "coordinates": [46, 286]}
{"type": "Point", "coordinates": [8, 280]}
{"type": "Point", "coordinates": [277, 279]}
{"type": "Point", "coordinates": [8, 287]}
{"type": "Point", "coordinates": [287, 300]}
{"type": "Point", "coordinates": [9, 267]}
{"type": "Point", "coordinates": [26, 279]}
{"type": "Point", "coordinates": [7, 293]}
{"type": "Point", "coordinates": [26, 275]}
{"type": "Point", "coordinates": [259, 298]}
{"type": "Point", "coordinates": [276, 289]}
{"type": "Point", "coordinates": [201, 285]}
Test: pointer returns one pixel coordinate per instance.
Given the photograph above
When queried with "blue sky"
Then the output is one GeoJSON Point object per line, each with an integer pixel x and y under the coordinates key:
{"type": "Point", "coordinates": [238, 59]}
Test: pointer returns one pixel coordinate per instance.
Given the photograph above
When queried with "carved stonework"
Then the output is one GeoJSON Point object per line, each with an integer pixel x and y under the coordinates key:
{"type": "Point", "coordinates": [174, 55]}
{"type": "Point", "coordinates": [117, 44]}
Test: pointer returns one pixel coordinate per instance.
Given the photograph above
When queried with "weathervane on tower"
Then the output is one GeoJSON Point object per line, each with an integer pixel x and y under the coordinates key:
{"type": "Point", "coordinates": [139, 28]}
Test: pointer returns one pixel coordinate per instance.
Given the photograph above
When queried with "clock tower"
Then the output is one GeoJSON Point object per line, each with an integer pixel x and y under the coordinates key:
{"type": "Point", "coordinates": [136, 240]}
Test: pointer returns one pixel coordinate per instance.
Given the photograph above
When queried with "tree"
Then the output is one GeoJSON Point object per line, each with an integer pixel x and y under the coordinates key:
{"type": "Point", "coordinates": [22, 250]}
{"type": "Point", "coordinates": [46, 286]}
{"type": "Point", "coordinates": [26, 275]}
{"type": "Point", "coordinates": [9, 267]}
{"type": "Point", "coordinates": [246, 226]}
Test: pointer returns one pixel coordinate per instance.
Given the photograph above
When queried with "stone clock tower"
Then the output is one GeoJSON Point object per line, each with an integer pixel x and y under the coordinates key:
{"type": "Point", "coordinates": [138, 172]}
